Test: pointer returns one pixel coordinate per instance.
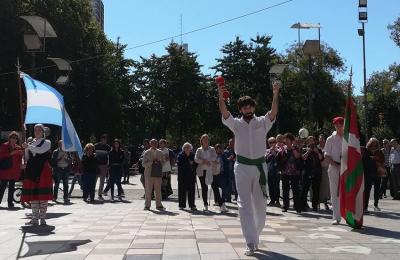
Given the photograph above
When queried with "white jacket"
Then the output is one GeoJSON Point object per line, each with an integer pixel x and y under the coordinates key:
{"type": "Point", "coordinates": [210, 169]}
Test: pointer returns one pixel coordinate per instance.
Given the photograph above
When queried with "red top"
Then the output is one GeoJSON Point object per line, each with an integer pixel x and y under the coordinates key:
{"type": "Point", "coordinates": [13, 173]}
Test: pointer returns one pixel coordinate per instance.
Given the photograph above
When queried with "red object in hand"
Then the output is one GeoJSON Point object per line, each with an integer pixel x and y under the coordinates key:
{"type": "Point", "coordinates": [220, 81]}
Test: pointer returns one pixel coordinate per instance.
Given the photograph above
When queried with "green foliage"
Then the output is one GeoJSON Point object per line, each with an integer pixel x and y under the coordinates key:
{"type": "Point", "coordinates": [395, 31]}
{"type": "Point", "coordinates": [381, 132]}
{"type": "Point", "coordinates": [168, 95]}
{"type": "Point", "coordinates": [99, 96]}
{"type": "Point", "coordinates": [384, 98]}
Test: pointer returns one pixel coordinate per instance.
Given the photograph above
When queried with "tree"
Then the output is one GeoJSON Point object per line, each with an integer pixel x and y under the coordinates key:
{"type": "Point", "coordinates": [384, 99]}
{"type": "Point", "coordinates": [245, 67]}
{"type": "Point", "coordinates": [315, 74]}
{"type": "Point", "coordinates": [99, 97]}
{"type": "Point", "coordinates": [395, 31]}
{"type": "Point", "coordinates": [174, 94]}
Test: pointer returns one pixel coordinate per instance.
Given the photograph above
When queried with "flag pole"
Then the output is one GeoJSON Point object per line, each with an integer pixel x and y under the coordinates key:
{"type": "Point", "coordinates": [21, 112]}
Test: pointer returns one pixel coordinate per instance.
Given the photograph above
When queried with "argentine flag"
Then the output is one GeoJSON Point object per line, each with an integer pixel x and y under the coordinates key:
{"type": "Point", "coordinates": [45, 105]}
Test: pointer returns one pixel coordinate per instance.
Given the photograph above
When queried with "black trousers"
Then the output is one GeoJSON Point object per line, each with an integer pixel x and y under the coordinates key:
{"type": "Point", "coordinates": [126, 173]}
{"type": "Point", "coordinates": [395, 181]}
{"type": "Point", "coordinates": [61, 174]}
{"type": "Point", "coordinates": [115, 179]}
{"type": "Point", "coordinates": [219, 182]}
{"type": "Point", "coordinates": [11, 188]}
{"type": "Point", "coordinates": [314, 182]}
{"type": "Point", "coordinates": [384, 182]}
{"type": "Point", "coordinates": [204, 189]}
{"type": "Point", "coordinates": [376, 181]}
{"type": "Point", "coordinates": [89, 185]}
{"type": "Point", "coordinates": [273, 186]}
{"type": "Point", "coordinates": [166, 187]}
{"type": "Point", "coordinates": [293, 182]}
{"type": "Point", "coordinates": [186, 186]}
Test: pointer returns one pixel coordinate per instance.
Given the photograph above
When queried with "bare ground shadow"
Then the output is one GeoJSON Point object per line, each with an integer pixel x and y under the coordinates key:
{"type": "Point", "coordinates": [53, 247]}
{"type": "Point", "coordinates": [374, 231]}
{"type": "Point", "coordinates": [263, 254]}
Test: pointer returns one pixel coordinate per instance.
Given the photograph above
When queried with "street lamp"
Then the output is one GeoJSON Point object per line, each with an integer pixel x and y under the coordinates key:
{"type": "Point", "coordinates": [363, 18]}
{"type": "Point", "coordinates": [63, 66]}
{"type": "Point", "coordinates": [311, 48]}
{"type": "Point", "coordinates": [300, 26]}
{"type": "Point", "coordinates": [275, 72]}
{"type": "Point", "coordinates": [39, 28]}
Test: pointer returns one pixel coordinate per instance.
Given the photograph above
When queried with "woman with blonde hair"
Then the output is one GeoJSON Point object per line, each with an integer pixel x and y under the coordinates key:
{"type": "Point", "coordinates": [89, 170]}
{"type": "Point", "coordinates": [205, 157]}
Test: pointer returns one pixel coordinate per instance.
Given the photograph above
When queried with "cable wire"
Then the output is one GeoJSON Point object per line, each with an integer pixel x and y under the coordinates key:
{"type": "Point", "coordinates": [168, 38]}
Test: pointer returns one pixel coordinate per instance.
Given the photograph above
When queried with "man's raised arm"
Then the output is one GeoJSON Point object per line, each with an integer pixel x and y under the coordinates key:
{"type": "Point", "coordinates": [275, 101]}
{"type": "Point", "coordinates": [222, 106]}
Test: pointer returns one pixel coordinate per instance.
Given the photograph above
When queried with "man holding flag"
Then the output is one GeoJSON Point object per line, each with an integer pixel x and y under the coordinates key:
{"type": "Point", "coordinates": [333, 151]}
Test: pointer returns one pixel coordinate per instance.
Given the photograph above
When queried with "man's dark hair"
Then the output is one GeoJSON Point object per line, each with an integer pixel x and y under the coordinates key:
{"type": "Point", "coordinates": [246, 101]}
{"type": "Point", "coordinates": [289, 136]}
{"type": "Point", "coordinates": [104, 136]}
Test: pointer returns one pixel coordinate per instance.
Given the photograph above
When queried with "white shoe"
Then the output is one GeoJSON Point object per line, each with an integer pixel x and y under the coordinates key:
{"type": "Point", "coordinates": [335, 222]}
{"type": "Point", "coordinates": [223, 208]}
{"type": "Point", "coordinates": [376, 208]}
{"type": "Point", "coordinates": [250, 250]}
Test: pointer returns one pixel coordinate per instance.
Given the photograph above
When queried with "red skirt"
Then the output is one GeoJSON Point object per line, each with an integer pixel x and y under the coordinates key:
{"type": "Point", "coordinates": [39, 191]}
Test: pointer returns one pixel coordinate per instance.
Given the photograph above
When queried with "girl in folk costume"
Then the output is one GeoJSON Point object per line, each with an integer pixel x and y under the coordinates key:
{"type": "Point", "coordinates": [38, 182]}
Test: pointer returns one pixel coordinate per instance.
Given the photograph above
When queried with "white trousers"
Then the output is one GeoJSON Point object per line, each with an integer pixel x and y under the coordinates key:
{"type": "Point", "coordinates": [251, 201]}
{"type": "Point", "coordinates": [334, 174]}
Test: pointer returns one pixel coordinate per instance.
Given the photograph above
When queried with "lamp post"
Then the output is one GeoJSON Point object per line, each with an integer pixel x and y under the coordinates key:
{"type": "Point", "coordinates": [275, 72]}
{"type": "Point", "coordinates": [363, 18]}
{"type": "Point", "coordinates": [39, 28]}
{"type": "Point", "coordinates": [300, 26]}
{"type": "Point", "coordinates": [311, 48]}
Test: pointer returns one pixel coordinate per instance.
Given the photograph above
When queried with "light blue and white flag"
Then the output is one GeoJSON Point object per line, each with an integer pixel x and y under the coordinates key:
{"type": "Point", "coordinates": [45, 105]}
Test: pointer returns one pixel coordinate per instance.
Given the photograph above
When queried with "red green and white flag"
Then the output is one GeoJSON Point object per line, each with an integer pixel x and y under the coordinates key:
{"type": "Point", "coordinates": [351, 191]}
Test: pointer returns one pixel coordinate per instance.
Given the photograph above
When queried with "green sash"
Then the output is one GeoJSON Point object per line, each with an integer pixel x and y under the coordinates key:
{"type": "Point", "coordinates": [259, 163]}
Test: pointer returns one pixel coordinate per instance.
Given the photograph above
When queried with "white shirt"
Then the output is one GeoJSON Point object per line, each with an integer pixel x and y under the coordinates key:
{"type": "Point", "coordinates": [333, 147]}
{"type": "Point", "coordinates": [35, 149]}
{"type": "Point", "coordinates": [166, 167]}
{"type": "Point", "coordinates": [250, 138]}
{"type": "Point", "coordinates": [394, 157]}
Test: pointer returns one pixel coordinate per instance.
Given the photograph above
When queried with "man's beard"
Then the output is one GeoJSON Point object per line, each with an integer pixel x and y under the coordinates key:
{"type": "Point", "coordinates": [248, 116]}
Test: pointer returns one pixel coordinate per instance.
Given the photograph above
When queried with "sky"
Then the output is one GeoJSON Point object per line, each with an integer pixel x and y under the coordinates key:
{"type": "Point", "coordinates": [139, 22]}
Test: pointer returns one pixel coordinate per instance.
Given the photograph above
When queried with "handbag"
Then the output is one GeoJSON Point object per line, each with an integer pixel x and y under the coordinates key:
{"type": "Point", "coordinates": [156, 169]}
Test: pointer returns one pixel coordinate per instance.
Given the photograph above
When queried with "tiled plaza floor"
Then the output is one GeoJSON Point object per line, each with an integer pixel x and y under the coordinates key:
{"type": "Point", "coordinates": [124, 230]}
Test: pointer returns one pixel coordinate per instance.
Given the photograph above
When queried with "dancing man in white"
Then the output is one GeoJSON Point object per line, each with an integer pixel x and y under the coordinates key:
{"type": "Point", "coordinates": [250, 168]}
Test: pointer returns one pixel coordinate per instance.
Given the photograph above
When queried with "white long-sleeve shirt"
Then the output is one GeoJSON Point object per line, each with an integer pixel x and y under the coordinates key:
{"type": "Point", "coordinates": [35, 149]}
{"type": "Point", "coordinates": [333, 147]}
{"type": "Point", "coordinates": [250, 138]}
